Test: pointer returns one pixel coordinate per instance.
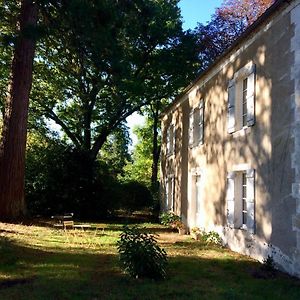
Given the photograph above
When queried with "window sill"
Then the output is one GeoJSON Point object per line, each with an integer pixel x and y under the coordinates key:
{"type": "Point", "coordinates": [242, 132]}
{"type": "Point", "coordinates": [196, 146]}
{"type": "Point", "coordinates": [244, 227]}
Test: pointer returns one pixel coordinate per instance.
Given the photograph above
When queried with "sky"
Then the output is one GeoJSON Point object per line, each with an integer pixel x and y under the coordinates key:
{"type": "Point", "coordinates": [197, 11]}
{"type": "Point", "coordinates": [193, 12]}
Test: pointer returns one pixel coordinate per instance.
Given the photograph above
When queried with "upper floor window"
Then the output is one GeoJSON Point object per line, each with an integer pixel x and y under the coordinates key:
{"type": "Point", "coordinates": [171, 140]}
{"type": "Point", "coordinates": [241, 99]}
{"type": "Point", "coordinates": [196, 126]}
{"type": "Point", "coordinates": [240, 199]}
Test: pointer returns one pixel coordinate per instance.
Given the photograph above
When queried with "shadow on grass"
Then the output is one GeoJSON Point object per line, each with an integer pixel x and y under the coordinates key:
{"type": "Point", "coordinates": [28, 273]}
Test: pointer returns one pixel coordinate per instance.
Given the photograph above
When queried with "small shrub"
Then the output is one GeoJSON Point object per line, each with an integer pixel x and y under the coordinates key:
{"type": "Point", "coordinates": [140, 254]}
{"type": "Point", "coordinates": [212, 237]}
{"type": "Point", "coordinates": [269, 264]}
{"type": "Point", "coordinates": [169, 218]}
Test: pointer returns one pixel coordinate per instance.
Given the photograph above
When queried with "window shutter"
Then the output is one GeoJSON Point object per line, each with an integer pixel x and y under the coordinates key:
{"type": "Point", "coordinates": [230, 199]}
{"type": "Point", "coordinates": [174, 139]}
{"type": "Point", "coordinates": [231, 107]}
{"type": "Point", "coordinates": [191, 129]}
{"type": "Point", "coordinates": [250, 175]}
{"type": "Point", "coordinates": [251, 98]}
{"type": "Point", "coordinates": [168, 141]}
{"type": "Point", "coordinates": [167, 194]}
{"type": "Point", "coordinates": [172, 193]}
{"type": "Point", "coordinates": [201, 122]}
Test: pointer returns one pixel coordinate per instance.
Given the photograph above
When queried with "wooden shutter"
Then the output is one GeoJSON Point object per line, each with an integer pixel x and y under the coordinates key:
{"type": "Point", "coordinates": [230, 199]}
{"type": "Point", "coordinates": [168, 140]}
{"type": "Point", "coordinates": [251, 98]}
{"type": "Point", "coordinates": [172, 193]}
{"type": "Point", "coordinates": [231, 107]}
{"type": "Point", "coordinates": [250, 175]}
{"type": "Point", "coordinates": [174, 139]}
{"type": "Point", "coordinates": [201, 122]}
{"type": "Point", "coordinates": [191, 129]}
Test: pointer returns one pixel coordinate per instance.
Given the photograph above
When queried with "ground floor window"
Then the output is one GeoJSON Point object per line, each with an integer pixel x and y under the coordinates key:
{"type": "Point", "coordinates": [240, 199]}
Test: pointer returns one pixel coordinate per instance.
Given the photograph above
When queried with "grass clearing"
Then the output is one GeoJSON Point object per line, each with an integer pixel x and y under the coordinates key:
{"type": "Point", "coordinates": [45, 263]}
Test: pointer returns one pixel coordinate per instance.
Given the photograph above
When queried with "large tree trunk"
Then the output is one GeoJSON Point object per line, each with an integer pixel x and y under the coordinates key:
{"type": "Point", "coordinates": [13, 144]}
{"type": "Point", "coordinates": [155, 149]}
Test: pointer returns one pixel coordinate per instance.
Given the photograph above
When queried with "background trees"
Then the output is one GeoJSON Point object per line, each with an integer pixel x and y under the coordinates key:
{"type": "Point", "coordinates": [226, 25]}
{"type": "Point", "coordinates": [96, 63]}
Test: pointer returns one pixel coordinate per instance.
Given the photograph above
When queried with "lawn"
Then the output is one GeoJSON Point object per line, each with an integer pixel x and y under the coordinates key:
{"type": "Point", "coordinates": [46, 263]}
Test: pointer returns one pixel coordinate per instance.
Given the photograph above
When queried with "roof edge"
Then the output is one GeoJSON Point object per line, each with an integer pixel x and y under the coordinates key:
{"type": "Point", "coordinates": [265, 16]}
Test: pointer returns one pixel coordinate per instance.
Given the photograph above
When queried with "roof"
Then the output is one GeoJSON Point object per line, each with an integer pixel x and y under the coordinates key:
{"type": "Point", "coordinates": [265, 16]}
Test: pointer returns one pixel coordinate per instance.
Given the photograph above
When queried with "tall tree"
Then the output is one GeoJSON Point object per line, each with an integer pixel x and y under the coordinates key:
{"type": "Point", "coordinates": [100, 70]}
{"type": "Point", "coordinates": [12, 149]}
{"type": "Point", "coordinates": [226, 25]}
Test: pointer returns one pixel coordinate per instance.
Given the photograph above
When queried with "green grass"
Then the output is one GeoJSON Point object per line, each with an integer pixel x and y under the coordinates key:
{"type": "Point", "coordinates": [43, 263]}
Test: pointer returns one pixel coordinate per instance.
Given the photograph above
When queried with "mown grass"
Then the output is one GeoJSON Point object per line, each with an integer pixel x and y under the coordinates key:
{"type": "Point", "coordinates": [43, 263]}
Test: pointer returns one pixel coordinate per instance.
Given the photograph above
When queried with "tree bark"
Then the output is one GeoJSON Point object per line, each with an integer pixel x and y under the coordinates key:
{"type": "Point", "coordinates": [155, 149]}
{"type": "Point", "coordinates": [13, 143]}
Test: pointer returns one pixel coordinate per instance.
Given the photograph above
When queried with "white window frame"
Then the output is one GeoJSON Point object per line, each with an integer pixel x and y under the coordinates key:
{"type": "Point", "coordinates": [236, 97]}
{"type": "Point", "coordinates": [235, 198]}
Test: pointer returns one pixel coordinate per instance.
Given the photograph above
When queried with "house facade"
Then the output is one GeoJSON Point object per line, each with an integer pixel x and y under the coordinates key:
{"type": "Point", "coordinates": [231, 143]}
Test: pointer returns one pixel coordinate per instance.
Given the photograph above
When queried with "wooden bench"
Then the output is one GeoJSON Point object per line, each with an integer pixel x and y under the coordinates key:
{"type": "Point", "coordinates": [82, 226]}
{"type": "Point", "coordinates": [68, 224]}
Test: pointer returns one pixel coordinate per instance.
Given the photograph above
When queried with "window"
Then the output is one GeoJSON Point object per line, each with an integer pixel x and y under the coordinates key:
{"type": "Point", "coordinates": [170, 186]}
{"type": "Point", "coordinates": [240, 200]}
{"type": "Point", "coordinates": [196, 127]}
{"type": "Point", "coordinates": [241, 99]}
{"type": "Point", "coordinates": [171, 140]}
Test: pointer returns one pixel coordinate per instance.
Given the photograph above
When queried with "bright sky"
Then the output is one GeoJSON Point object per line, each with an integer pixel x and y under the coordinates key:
{"type": "Point", "coordinates": [197, 11]}
{"type": "Point", "coordinates": [193, 12]}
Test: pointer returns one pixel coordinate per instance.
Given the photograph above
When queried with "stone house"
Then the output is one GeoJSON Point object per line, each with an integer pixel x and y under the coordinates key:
{"type": "Point", "coordinates": [231, 143]}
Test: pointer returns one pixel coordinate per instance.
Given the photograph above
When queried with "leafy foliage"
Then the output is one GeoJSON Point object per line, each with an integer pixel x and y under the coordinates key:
{"type": "Point", "coordinates": [227, 24]}
{"type": "Point", "coordinates": [168, 218]}
{"type": "Point", "coordinates": [212, 237]}
{"type": "Point", "coordinates": [140, 254]}
{"type": "Point", "coordinates": [139, 169]}
{"type": "Point", "coordinates": [60, 179]}
{"type": "Point", "coordinates": [269, 264]}
{"type": "Point", "coordinates": [135, 195]}
{"type": "Point", "coordinates": [91, 75]}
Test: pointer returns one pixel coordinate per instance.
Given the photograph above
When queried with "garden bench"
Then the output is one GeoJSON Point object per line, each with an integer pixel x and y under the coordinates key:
{"type": "Point", "coordinates": [65, 221]}
{"type": "Point", "coordinates": [82, 226]}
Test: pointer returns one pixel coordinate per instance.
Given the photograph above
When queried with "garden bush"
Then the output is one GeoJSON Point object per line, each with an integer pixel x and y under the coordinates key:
{"type": "Point", "coordinates": [140, 254]}
{"type": "Point", "coordinates": [212, 237]}
{"type": "Point", "coordinates": [135, 196]}
{"type": "Point", "coordinates": [168, 218]}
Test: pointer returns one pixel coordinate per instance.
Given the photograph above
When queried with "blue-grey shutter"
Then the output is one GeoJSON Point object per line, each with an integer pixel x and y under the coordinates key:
{"type": "Point", "coordinates": [173, 193]}
{"type": "Point", "coordinates": [231, 107]}
{"type": "Point", "coordinates": [167, 194]}
{"type": "Point", "coordinates": [251, 98]}
{"type": "Point", "coordinates": [174, 139]}
{"type": "Point", "coordinates": [191, 128]}
{"type": "Point", "coordinates": [250, 175]}
{"type": "Point", "coordinates": [201, 122]}
{"type": "Point", "coordinates": [168, 140]}
{"type": "Point", "coordinates": [230, 199]}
